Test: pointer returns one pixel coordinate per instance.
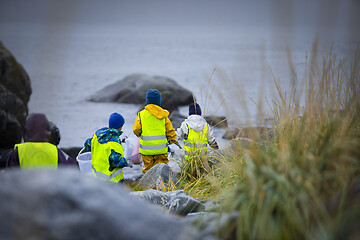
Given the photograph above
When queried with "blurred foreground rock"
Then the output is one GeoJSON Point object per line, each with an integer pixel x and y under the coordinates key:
{"type": "Point", "coordinates": [178, 202]}
{"type": "Point", "coordinates": [15, 91]}
{"type": "Point", "coordinates": [159, 176]}
{"type": "Point", "coordinates": [133, 88]}
{"type": "Point", "coordinates": [211, 224]}
{"type": "Point", "coordinates": [63, 204]}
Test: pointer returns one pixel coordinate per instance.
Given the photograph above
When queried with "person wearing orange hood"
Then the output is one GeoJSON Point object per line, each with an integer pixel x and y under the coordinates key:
{"type": "Point", "coordinates": [155, 129]}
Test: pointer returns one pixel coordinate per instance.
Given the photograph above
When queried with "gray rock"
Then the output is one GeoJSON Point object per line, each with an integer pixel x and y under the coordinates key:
{"type": "Point", "coordinates": [176, 119]}
{"type": "Point", "coordinates": [15, 91]}
{"type": "Point", "coordinates": [216, 121]}
{"type": "Point", "coordinates": [178, 201]}
{"type": "Point", "coordinates": [72, 152]}
{"type": "Point", "coordinates": [133, 88]}
{"type": "Point", "coordinates": [159, 177]}
{"type": "Point", "coordinates": [63, 204]}
{"type": "Point", "coordinates": [132, 175]}
{"type": "Point", "coordinates": [182, 203]}
{"type": "Point", "coordinates": [249, 132]}
{"type": "Point", "coordinates": [212, 224]}
{"type": "Point", "coordinates": [152, 196]}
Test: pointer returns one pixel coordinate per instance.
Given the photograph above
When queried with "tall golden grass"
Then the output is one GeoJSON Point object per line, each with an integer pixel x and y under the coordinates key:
{"type": "Point", "coordinates": [280, 186]}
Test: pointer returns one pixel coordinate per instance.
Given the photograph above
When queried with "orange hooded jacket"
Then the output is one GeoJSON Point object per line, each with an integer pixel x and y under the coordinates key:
{"type": "Point", "coordinates": [159, 113]}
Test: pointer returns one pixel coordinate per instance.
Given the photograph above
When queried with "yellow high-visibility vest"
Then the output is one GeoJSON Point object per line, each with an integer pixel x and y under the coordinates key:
{"type": "Point", "coordinates": [153, 139]}
{"type": "Point", "coordinates": [195, 141]}
{"type": "Point", "coordinates": [37, 155]}
{"type": "Point", "coordinates": [100, 153]}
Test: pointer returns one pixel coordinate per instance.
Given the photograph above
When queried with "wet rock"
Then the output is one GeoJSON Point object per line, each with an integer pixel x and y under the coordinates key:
{"type": "Point", "coordinates": [178, 202]}
{"type": "Point", "coordinates": [211, 224]}
{"type": "Point", "coordinates": [176, 119]}
{"type": "Point", "coordinates": [182, 203]}
{"type": "Point", "coordinates": [133, 88]}
{"type": "Point", "coordinates": [248, 132]}
{"type": "Point", "coordinates": [216, 121]}
{"type": "Point", "coordinates": [63, 204]}
{"type": "Point", "coordinates": [159, 176]}
{"type": "Point", "coordinates": [72, 152]}
{"type": "Point", "coordinates": [231, 133]}
{"type": "Point", "coordinates": [15, 91]}
{"type": "Point", "coordinates": [132, 175]}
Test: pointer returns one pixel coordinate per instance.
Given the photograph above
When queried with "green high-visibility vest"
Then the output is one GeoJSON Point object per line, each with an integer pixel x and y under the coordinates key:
{"type": "Point", "coordinates": [153, 139]}
{"type": "Point", "coordinates": [37, 155]}
{"type": "Point", "coordinates": [100, 153]}
{"type": "Point", "coordinates": [195, 141]}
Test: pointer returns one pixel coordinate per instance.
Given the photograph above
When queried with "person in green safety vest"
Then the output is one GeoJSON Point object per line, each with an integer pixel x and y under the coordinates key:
{"type": "Point", "coordinates": [107, 153]}
{"type": "Point", "coordinates": [155, 129]}
{"type": "Point", "coordinates": [196, 132]}
{"type": "Point", "coordinates": [36, 151]}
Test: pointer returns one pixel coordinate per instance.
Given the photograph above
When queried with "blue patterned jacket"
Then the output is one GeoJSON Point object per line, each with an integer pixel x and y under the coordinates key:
{"type": "Point", "coordinates": [104, 135]}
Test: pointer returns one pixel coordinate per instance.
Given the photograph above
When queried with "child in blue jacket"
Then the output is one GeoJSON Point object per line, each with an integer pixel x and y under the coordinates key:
{"type": "Point", "coordinates": [106, 150]}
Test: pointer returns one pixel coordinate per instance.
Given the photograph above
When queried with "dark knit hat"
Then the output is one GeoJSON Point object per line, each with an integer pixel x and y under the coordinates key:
{"type": "Point", "coordinates": [194, 109]}
{"type": "Point", "coordinates": [153, 96]}
{"type": "Point", "coordinates": [116, 120]}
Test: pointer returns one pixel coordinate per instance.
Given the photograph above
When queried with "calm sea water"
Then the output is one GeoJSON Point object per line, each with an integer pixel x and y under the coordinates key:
{"type": "Point", "coordinates": [71, 58]}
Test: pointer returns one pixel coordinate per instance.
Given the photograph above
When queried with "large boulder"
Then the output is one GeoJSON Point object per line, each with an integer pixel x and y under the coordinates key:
{"type": "Point", "coordinates": [178, 201]}
{"type": "Point", "coordinates": [15, 91]}
{"type": "Point", "coordinates": [63, 204]}
{"type": "Point", "coordinates": [160, 177]}
{"type": "Point", "coordinates": [133, 88]}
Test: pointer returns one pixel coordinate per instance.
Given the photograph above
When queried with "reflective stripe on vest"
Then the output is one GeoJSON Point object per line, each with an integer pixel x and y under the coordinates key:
{"type": "Point", "coordinates": [150, 138]}
{"type": "Point", "coordinates": [104, 176]}
{"type": "Point", "coordinates": [37, 155]}
{"type": "Point", "coordinates": [153, 139]}
{"type": "Point", "coordinates": [195, 141]}
{"type": "Point", "coordinates": [100, 154]}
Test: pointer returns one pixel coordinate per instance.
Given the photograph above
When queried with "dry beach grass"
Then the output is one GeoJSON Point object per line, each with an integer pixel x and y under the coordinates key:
{"type": "Point", "coordinates": [279, 185]}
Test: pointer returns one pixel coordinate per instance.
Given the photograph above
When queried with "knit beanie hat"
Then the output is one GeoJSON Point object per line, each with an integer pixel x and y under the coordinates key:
{"type": "Point", "coordinates": [153, 96]}
{"type": "Point", "coordinates": [116, 120]}
{"type": "Point", "coordinates": [194, 109]}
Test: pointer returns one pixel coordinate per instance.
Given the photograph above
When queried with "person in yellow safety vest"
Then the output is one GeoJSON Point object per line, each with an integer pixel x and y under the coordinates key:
{"type": "Point", "coordinates": [154, 128]}
{"type": "Point", "coordinates": [107, 153]}
{"type": "Point", "coordinates": [196, 132]}
{"type": "Point", "coordinates": [37, 151]}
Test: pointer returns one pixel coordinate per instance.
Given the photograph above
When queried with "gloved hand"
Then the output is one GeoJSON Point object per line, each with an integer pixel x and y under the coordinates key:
{"type": "Point", "coordinates": [124, 139]}
{"type": "Point", "coordinates": [130, 163]}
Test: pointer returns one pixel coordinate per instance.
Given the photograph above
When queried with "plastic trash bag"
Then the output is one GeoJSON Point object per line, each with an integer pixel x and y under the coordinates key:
{"type": "Point", "coordinates": [131, 150]}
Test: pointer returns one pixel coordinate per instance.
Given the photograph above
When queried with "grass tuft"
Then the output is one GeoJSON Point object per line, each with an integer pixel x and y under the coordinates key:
{"type": "Point", "coordinates": [279, 186]}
